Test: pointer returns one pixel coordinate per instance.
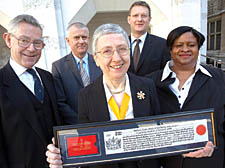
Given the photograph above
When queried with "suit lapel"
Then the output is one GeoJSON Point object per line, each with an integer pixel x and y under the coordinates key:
{"type": "Point", "coordinates": [17, 94]}
{"type": "Point", "coordinates": [145, 50]}
{"type": "Point", "coordinates": [198, 81]}
{"type": "Point", "coordinates": [48, 85]}
{"type": "Point", "coordinates": [73, 67]}
{"type": "Point", "coordinates": [99, 101]}
{"type": "Point", "coordinates": [93, 69]}
{"type": "Point", "coordinates": [164, 85]}
{"type": "Point", "coordinates": [131, 68]}
{"type": "Point", "coordinates": [136, 86]}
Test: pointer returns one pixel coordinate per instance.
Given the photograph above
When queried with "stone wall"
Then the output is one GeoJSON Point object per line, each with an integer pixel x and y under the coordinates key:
{"type": "Point", "coordinates": [216, 9]}
{"type": "Point", "coordinates": [4, 50]}
{"type": "Point", "coordinates": [215, 6]}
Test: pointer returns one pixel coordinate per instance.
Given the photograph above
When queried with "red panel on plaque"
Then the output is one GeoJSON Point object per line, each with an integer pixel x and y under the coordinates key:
{"type": "Point", "coordinates": [82, 145]}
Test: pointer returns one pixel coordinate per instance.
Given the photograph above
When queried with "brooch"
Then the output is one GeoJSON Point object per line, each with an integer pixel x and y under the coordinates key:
{"type": "Point", "coordinates": [141, 95]}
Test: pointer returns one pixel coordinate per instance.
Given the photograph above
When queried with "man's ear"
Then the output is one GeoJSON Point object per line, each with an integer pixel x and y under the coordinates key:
{"type": "Point", "coordinates": [67, 40]}
{"type": "Point", "coordinates": [128, 19]}
{"type": "Point", "coordinates": [7, 38]}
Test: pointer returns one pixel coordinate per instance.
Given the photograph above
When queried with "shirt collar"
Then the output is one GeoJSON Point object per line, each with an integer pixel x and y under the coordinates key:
{"type": "Point", "coordinates": [167, 71]}
{"type": "Point", "coordinates": [109, 94]}
{"type": "Point", "coordinates": [142, 38]}
{"type": "Point", "coordinates": [18, 69]}
{"type": "Point", "coordinates": [77, 59]}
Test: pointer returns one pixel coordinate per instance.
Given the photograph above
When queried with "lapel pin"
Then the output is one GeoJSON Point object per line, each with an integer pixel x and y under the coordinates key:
{"type": "Point", "coordinates": [141, 95]}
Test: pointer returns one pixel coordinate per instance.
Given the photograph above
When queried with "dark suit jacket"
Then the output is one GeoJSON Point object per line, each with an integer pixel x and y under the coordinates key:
{"type": "Point", "coordinates": [22, 141]}
{"type": "Point", "coordinates": [96, 109]}
{"type": "Point", "coordinates": [153, 57]}
{"type": "Point", "coordinates": [205, 92]}
{"type": "Point", "coordinates": [68, 83]}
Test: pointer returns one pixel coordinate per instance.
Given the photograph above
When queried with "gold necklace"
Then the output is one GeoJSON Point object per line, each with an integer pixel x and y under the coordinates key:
{"type": "Point", "coordinates": [117, 92]}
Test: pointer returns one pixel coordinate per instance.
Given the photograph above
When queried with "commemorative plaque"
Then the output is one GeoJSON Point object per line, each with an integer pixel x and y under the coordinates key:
{"type": "Point", "coordinates": [140, 138]}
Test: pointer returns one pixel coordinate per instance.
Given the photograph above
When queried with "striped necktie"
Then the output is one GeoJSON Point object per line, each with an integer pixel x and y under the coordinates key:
{"type": "Point", "coordinates": [83, 74]}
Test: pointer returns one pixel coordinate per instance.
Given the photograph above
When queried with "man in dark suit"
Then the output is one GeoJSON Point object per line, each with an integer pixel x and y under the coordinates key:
{"type": "Point", "coordinates": [28, 108]}
{"type": "Point", "coordinates": [66, 71]}
{"type": "Point", "coordinates": [152, 51]}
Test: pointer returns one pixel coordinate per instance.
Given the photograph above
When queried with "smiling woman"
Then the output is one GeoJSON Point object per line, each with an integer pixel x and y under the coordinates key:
{"type": "Point", "coordinates": [114, 67]}
{"type": "Point", "coordinates": [115, 95]}
{"type": "Point", "coordinates": [184, 85]}
{"type": "Point", "coordinates": [185, 51]}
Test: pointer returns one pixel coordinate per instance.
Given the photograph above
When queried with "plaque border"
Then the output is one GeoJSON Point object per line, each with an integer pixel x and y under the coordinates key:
{"type": "Point", "coordinates": [61, 130]}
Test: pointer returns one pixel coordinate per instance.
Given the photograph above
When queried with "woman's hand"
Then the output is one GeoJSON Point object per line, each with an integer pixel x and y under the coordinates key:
{"type": "Point", "coordinates": [207, 151]}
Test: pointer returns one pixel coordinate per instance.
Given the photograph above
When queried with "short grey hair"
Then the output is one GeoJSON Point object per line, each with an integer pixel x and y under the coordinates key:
{"type": "Point", "coordinates": [108, 29]}
{"type": "Point", "coordinates": [24, 18]}
{"type": "Point", "coordinates": [78, 25]}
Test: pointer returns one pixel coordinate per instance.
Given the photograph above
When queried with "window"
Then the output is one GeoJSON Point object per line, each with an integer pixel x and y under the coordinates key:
{"type": "Point", "coordinates": [214, 35]}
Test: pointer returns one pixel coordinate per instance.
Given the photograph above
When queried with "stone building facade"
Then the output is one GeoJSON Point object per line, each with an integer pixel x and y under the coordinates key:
{"type": "Point", "coordinates": [216, 32]}
{"type": "Point", "coordinates": [55, 15]}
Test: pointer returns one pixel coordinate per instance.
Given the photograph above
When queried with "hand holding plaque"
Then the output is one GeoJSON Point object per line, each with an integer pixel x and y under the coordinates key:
{"type": "Point", "coordinates": [149, 137]}
{"type": "Point", "coordinates": [53, 155]}
{"type": "Point", "coordinates": [207, 151]}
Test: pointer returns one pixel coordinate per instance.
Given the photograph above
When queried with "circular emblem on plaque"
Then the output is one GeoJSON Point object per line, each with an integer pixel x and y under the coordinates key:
{"type": "Point", "coordinates": [201, 129]}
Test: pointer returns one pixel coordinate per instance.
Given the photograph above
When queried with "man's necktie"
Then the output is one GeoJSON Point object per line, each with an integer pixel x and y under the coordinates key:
{"type": "Point", "coordinates": [136, 55]}
{"type": "Point", "coordinates": [38, 88]}
{"type": "Point", "coordinates": [83, 74]}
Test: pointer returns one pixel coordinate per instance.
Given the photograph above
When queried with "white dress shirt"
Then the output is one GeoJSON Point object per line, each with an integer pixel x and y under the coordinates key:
{"type": "Point", "coordinates": [25, 77]}
{"type": "Point", "coordinates": [85, 63]}
{"type": "Point", "coordinates": [141, 43]}
{"type": "Point", "coordinates": [129, 113]}
{"type": "Point", "coordinates": [183, 92]}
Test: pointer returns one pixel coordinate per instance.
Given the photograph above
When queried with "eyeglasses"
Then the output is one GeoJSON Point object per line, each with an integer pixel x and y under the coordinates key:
{"type": "Point", "coordinates": [108, 52]}
{"type": "Point", "coordinates": [25, 42]}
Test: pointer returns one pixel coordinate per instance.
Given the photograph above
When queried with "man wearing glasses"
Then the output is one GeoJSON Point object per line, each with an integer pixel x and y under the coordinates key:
{"type": "Point", "coordinates": [74, 71]}
{"type": "Point", "coordinates": [28, 109]}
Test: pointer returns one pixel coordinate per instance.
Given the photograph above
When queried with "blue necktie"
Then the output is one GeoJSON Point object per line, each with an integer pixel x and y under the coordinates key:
{"type": "Point", "coordinates": [38, 88]}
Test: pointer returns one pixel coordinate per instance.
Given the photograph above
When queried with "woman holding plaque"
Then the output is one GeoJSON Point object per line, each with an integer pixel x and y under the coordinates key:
{"type": "Point", "coordinates": [185, 85]}
{"type": "Point", "coordinates": [117, 94]}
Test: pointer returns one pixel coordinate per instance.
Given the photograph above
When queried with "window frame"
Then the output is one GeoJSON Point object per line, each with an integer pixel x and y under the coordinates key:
{"type": "Point", "coordinates": [214, 37]}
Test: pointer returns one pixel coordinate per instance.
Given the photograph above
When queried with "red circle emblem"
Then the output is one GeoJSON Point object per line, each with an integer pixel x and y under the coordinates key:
{"type": "Point", "coordinates": [201, 129]}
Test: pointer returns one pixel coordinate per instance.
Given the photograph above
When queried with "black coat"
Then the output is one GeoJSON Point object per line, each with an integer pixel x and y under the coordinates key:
{"type": "Point", "coordinates": [96, 109]}
{"type": "Point", "coordinates": [153, 57]}
{"type": "Point", "coordinates": [205, 92]}
{"type": "Point", "coordinates": [22, 139]}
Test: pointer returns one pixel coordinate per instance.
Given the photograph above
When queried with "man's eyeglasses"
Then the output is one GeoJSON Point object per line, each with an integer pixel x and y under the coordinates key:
{"type": "Point", "coordinates": [108, 52]}
{"type": "Point", "coordinates": [25, 42]}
